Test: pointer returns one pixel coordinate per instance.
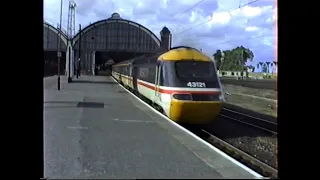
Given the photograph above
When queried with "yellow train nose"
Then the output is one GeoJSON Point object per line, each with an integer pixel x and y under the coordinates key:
{"type": "Point", "coordinates": [195, 112]}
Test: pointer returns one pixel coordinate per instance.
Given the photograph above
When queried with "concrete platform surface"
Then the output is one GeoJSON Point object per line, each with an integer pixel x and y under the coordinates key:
{"type": "Point", "coordinates": [93, 128]}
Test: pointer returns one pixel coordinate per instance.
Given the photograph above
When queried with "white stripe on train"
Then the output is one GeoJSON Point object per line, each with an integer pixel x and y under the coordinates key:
{"type": "Point", "coordinates": [172, 88]}
{"type": "Point", "coordinates": [162, 99]}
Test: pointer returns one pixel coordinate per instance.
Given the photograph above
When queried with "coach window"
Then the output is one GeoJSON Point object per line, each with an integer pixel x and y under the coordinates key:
{"type": "Point", "coordinates": [151, 75]}
{"type": "Point", "coordinates": [130, 71]}
{"type": "Point", "coordinates": [143, 73]}
{"type": "Point", "coordinates": [121, 70]}
{"type": "Point", "coordinates": [126, 71]}
{"type": "Point", "coordinates": [146, 72]}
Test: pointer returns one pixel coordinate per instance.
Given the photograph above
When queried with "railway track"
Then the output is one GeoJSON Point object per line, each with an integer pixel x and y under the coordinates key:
{"type": "Point", "coordinates": [238, 154]}
{"type": "Point", "coordinates": [252, 83]}
{"type": "Point", "coordinates": [252, 162]}
{"type": "Point", "coordinates": [241, 156]}
{"type": "Point", "coordinates": [259, 123]}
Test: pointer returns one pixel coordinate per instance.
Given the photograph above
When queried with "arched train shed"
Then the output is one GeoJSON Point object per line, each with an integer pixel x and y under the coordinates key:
{"type": "Point", "coordinates": [51, 47]}
{"type": "Point", "coordinates": [113, 38]}
{"type": "Point", "coordinates": [51, 38]}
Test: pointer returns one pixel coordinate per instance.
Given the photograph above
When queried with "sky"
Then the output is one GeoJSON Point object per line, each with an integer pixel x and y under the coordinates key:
{"type": "Point", "coordinates": [204, 24]}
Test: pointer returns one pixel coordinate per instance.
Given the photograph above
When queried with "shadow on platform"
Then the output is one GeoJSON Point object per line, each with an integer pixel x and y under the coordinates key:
{"type": "Point", "coordinates": [94, 82]}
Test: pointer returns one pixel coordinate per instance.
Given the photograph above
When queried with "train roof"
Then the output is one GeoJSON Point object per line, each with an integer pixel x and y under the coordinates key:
{"type": "Point", "coordinates": [178, 47]}
{"type": "Point", "coordinates": [125, 62]}
{"type": "Point", "coordinates": [174, 54]}
{"type": "Point", "coordinates": [139, 59]}
{"type": "Point", "coordinates": [184, 53]}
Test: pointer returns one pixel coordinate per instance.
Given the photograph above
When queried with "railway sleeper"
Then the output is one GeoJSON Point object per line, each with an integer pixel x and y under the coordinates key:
{"type": "Point", "coordinates": [246, 161]}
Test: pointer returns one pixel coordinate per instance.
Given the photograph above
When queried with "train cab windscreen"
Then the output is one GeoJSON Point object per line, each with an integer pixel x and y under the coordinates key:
{"type": "Point", "coordinates": [197, 71]}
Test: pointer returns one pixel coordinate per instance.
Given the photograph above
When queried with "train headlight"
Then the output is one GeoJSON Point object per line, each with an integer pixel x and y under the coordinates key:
{"type": "Point", "coordinates": [215, 97]}
{"type": "Point", "coordinates": [221, 97]}
{"type": "Point", "coordinates": [187, 97]}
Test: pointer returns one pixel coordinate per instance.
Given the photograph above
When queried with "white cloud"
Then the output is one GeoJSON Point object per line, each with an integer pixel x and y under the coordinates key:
{"type": "Point", "coordinates": [251, 28]}
{"type": "Point", "coordinates": [220, 18]}
{"type": "Point", "coordinates": [248, 11]}
{"type": "Point", "coordinates": [238, 26]}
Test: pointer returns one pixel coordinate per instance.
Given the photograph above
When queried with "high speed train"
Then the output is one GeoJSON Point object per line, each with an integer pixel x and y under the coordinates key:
{"type": "Point", "coordinates": [182, 83]}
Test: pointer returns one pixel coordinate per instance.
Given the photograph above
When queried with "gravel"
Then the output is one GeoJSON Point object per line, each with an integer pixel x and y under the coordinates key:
{"type": "Point", "coordinates": [234, 97]}
{"type": "Point", "coordinates": [259, 144]}
{"type": "Point", "coordinates": [270, 94]}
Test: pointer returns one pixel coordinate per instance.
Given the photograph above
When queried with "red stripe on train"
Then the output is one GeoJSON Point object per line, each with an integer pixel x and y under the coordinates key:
{"type": "Point", "coordinates": [168, 91]}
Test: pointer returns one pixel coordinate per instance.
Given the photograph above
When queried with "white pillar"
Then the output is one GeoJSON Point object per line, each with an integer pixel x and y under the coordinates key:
{"type": "Point", "coordinates": [93, 62]}
{"type": "Point", "coordinates": [69, 58]}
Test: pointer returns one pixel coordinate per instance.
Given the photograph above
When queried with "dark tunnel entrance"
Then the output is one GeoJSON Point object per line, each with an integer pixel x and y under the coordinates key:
{"type": "Point", "coordinates": [103, 59]}
{"type": "Point", "coordinates": [51, 63]}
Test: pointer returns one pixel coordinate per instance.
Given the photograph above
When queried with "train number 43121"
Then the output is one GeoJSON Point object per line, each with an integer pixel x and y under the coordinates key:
{"type": "Point", "coordinates": [196, 84]}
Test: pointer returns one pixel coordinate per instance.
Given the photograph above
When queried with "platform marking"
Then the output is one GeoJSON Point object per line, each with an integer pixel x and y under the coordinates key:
{"type": "Point", "coordinates": [133, 121]}
{"type": "Point", "coordinates": [78, 127]}
{"type": "Point", "coordinates": [258, 176]}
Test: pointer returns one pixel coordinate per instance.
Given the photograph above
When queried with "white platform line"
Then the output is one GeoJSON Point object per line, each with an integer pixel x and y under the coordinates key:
{"type": "Point", "coordinates": [133, 121]}
{"type": "Point", "coordinates": [78, 127]}
{"type": "Point", "coordinates": [196, 137]}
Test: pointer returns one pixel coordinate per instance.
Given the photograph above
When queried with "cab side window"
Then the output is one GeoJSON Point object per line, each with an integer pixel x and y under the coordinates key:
{"type": "Point", "coordinates": [162, 74]}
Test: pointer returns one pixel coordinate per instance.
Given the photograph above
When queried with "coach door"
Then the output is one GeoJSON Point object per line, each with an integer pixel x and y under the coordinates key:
{"type": "Point", "coordinates": [129, 79]}
{"type": "Point", "coordinates": [134, 78]}
{"type": "Point", "coordinates": [157, 82]}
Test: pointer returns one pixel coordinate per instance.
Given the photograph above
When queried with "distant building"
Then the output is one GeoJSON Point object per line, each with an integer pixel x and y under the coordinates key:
{"type": "Point", "coordinates": [250, 69]}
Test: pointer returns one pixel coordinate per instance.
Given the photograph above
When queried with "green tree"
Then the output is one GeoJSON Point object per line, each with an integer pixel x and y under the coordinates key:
{"type": "Point", "coordinates": [251, 67]}
{"type": "Point", "coordinates": [235, 59]}
{"type": "Point", "coordinates": [247, 55]}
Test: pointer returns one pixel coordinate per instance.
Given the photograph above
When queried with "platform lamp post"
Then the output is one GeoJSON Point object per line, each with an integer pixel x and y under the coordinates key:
{"type": "Point", "coordinates": [59, 51]}
{"type": "Point", "coordinates": [78, 62]}
{"type": "Point", "coordinates": [69, 64]}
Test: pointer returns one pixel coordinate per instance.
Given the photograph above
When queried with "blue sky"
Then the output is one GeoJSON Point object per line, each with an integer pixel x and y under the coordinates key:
{"type": "Point", "coordinates": [253, 26]}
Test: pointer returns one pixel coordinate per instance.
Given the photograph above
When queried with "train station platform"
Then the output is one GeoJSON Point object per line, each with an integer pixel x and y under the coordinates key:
{"type": "Point", "coordinates": [94, 128]}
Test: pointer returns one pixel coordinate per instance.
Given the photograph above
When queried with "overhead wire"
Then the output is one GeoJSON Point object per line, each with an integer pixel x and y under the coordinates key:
{"type": "Point", "coordinates": [254, 37]}
{"type": "Point", "coordinates": [176, 13]}
{"type": "Point", "coordinates": [264, 15]}
{"type": "Point", "coordinates": [240, 6]}
{"type": "Point", "coordinates": [189, 8]}
{"type": "Point", "coordinates": [228, 41]}
{"type": "Point", "coordinates": [176, 18]}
